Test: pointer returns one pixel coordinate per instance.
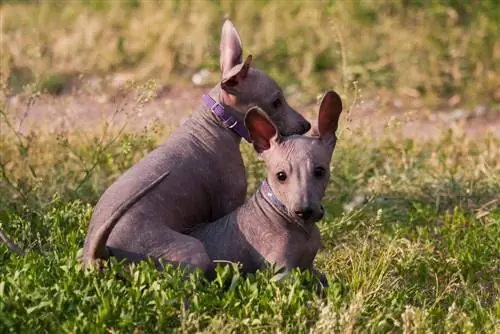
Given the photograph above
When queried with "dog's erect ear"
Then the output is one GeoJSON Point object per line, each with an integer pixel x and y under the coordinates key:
{"type": "Point", "coordinates": [236, 74]}
{"type": "Point", "coordinates": [231, 49]}
{"type": "Point", "coordinates": [262, 130]}
{"type": "Point", "coordinates": [328, 118]}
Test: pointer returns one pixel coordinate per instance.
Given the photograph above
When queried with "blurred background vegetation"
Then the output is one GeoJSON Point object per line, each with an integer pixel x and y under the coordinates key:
{"type": "Point", "coordinates": [441, 52]}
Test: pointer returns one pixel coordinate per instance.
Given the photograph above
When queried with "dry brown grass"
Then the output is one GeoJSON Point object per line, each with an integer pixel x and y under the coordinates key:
{"type": "Point", "coordinates": [432, 51]}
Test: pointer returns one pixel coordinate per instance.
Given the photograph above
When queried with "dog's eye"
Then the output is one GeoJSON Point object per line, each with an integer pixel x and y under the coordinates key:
{"type": "Point", "coordinates": [319, 172]}
{"type": "Point", "coordinates": [277, 103]}
{"type": "Point", "coordinates": [281, 176]}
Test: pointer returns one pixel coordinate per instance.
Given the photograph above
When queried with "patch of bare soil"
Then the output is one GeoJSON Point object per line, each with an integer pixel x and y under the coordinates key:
{"type": "Point", "coordinates": [172, 106]}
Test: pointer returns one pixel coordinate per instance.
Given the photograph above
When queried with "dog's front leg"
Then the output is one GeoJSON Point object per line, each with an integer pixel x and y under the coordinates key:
{"type": "Point", "coordinates": [321, 277]}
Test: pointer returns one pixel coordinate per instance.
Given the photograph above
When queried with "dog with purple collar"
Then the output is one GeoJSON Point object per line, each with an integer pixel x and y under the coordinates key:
{"type": "Point", "coordinates": [196, 176]}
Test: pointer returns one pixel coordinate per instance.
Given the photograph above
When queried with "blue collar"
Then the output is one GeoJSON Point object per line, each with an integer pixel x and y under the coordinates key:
{"type": "Point", "coordinates": [268, 193]}
{"type": "Point", "coordinates": [227, 118]}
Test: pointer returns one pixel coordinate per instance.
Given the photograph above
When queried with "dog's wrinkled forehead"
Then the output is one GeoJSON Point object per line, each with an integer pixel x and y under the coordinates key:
{"type": "Point", "coordinates": [260, 86]}
{"type": "Point", "coordinates": [297, 149]}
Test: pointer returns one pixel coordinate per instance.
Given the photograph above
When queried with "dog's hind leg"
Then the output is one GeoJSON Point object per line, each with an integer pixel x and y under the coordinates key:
{"type": "Point", "coordinates": [159, 243]}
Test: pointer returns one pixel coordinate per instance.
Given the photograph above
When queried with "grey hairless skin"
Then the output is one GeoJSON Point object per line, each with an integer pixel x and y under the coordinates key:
{"type": "Point", "coordinates": [276, 225]}
{"type": "Point", "coordinates": [196, 176]}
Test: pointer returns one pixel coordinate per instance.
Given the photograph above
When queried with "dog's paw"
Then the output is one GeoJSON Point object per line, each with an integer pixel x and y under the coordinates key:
{"type": "Point", "coordinates": [323, 280]}
{"type": "Point", "coordinates": [282, 276]}
{"type": "Point", "coordinates": [322, 284]}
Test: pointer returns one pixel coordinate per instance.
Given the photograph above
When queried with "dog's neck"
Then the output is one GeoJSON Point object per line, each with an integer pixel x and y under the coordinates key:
{"type": "Point", "coordinates": [205, 117]}
{"type": "Point", "coordinates": [265, 209]}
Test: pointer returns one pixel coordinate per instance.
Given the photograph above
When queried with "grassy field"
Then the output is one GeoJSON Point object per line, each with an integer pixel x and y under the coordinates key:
{"type": "Point", "coordinates": [411, 243]}
{"type": "Point", "coordinates": [411, 235]}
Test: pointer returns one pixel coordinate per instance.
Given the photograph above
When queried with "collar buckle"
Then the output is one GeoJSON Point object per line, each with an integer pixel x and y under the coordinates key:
{"type": "Point", "coordinates": [226, 118]}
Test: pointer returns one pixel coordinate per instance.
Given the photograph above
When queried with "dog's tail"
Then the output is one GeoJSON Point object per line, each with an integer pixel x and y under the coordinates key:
{"type": "Point", "coordinates": [10, 244]}
{"type": "Point", "coordinates": [97, 248]}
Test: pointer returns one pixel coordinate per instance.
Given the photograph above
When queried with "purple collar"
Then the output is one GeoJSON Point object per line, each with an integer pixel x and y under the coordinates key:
{"type": "Point", "coordinates": [226, 118]}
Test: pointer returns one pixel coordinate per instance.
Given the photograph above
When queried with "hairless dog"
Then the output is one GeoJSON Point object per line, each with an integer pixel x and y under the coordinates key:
{"type": "Point", "coordinates": [196, 176]}
{"type": "Point", "coordinates": [276, 225]}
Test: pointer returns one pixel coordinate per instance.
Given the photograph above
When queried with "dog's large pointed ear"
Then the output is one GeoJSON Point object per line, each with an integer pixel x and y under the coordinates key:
{"type": "Point", "coordinates": [262, 130]}
{"type": "Point", "coordinates": [328, 118]}
{"type": "Point", "coordinates": [231, 51]}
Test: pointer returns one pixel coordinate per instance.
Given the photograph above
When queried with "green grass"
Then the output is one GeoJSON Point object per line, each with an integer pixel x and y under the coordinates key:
{"type": "Point", "coordinates": [420, 253]}
{"type": "Point", "coordinates": [430, 50]}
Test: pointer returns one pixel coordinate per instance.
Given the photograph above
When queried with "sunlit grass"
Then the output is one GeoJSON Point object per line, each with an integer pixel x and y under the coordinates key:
{"type": "Point", "coordinates": [410, 242]}
{"type": "Point", "coordinates": [434, 51]}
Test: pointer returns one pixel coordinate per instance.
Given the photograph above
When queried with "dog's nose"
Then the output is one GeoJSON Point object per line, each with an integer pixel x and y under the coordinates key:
{"type": "Point", "coordinates": [306, 127]}
{"type": "Point", "coordinates": [304, 213]}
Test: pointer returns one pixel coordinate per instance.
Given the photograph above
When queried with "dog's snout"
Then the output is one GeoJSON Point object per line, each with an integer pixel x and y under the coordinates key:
{"type": "Point", "coordinates": [305, 213]}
